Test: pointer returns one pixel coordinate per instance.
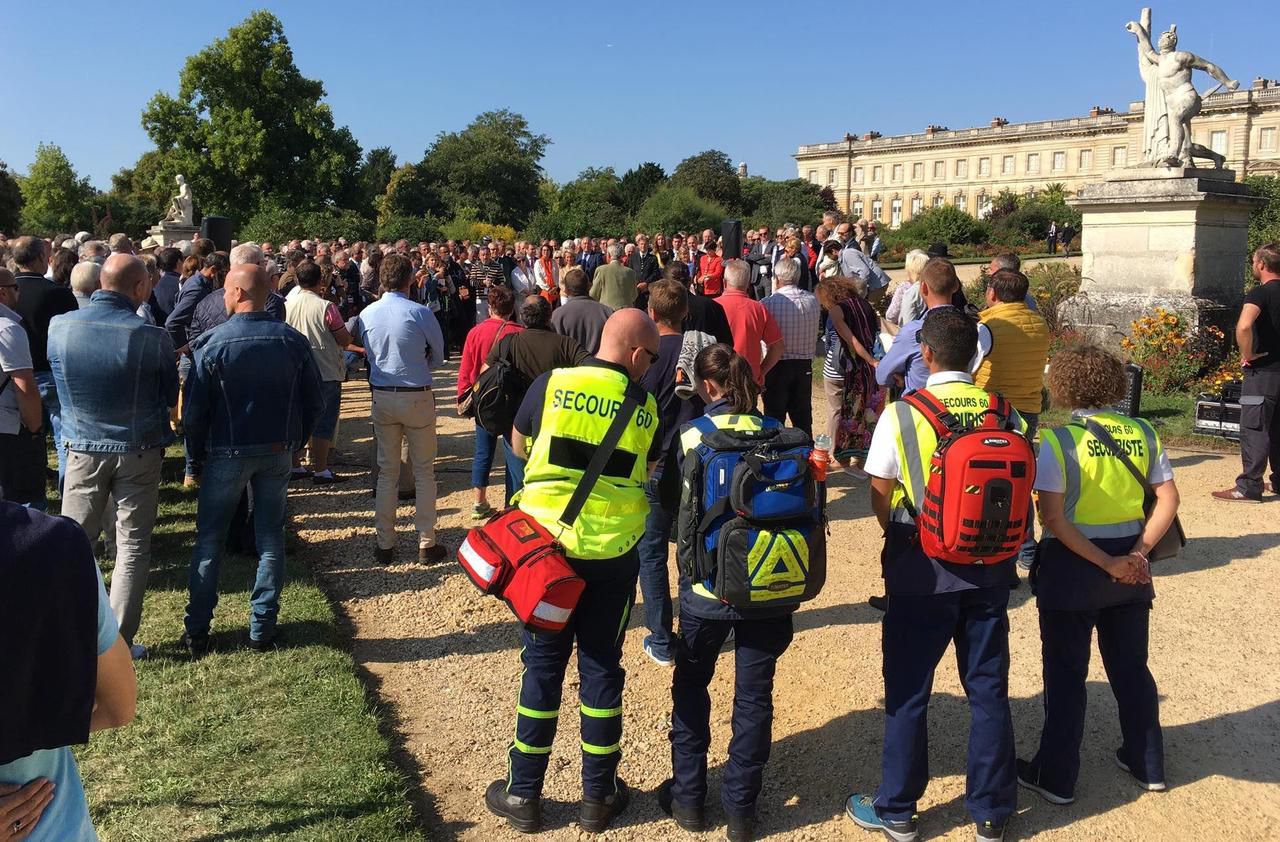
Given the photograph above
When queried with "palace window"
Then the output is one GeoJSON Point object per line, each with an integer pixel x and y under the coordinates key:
{"type": "Point", "coordinates": [897, 172]}
{"type": "Point", "coordinates": [877, 175]}
{"type": "Point", "coordinates": [831, 177]}
{"type": "Point", "coordinates": [859, 175]}
{"type": "Point", "coordinates": [1086, 159]}
{"type": "Point", "coordinates": [857, 209]}
{"type": "Point", "coordinates": [1059, 161]}
{"type": "Point", "coordinates": [1267, 140]}
{"type": "Point", "coordinates": [917, 205]}
{"type": "Point", "coordinates": [938, 201]}
{"type": "Point", "coordinates": [895, 213]}
{"type": "Point", "coordinates": [984, 206]}
{"type": "Point", "coordinates": [1033, 162]}
{"type": "Point", "coordinates": [813, 176]}
{"type": "Point", "coordinates": [1119, 156]}
{"type": "Point", "coordinates": [877, 208]}
{"type": "Point", "coordinates": [1218, 142]}
{"type": "Point", "coordinates": [1006, 165]}
{"type": "Point", "coordinates": [917, 169]}
{"type": "Point", "coordinates": [962, 168]}
{"type": "Point", "coordinates": [962, 202]}
{"type": "Point", "coordinates": [939, 169]}
{"type": "Point", "coordinates": [984, 167]}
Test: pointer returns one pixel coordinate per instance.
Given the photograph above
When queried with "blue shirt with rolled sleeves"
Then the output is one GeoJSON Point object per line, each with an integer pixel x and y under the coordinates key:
{"type": "Point", "coordinates": [402, 341]}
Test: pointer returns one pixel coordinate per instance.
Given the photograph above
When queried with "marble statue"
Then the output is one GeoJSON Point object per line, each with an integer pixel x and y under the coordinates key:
{"type": "Point", "coordinates": [181, 207]}
{"type": "Point", "coordinates": [1171, 99]}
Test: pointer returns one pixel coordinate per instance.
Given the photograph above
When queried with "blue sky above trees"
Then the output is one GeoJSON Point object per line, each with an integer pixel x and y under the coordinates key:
{"type": "Point", "coordinates": [612, 84]}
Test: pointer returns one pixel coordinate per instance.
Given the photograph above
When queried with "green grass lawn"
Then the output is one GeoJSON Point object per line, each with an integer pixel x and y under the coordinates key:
{"type": "Point", "coordinates": [241, 745]}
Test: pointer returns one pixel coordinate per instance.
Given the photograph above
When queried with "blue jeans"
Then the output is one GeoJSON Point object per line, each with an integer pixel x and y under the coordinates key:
{"type": "Point", "coordinates": [53, 417]}
{"type": "Point", "coordinates": [482, 462]}
{"type": "Point", "coordinates": [191, 465]}
{"type": "Point", "coordinates": [223, 481]}
{"type": "Point", "coordinates": [655, 582]}
{"type": "Point", "coordinates": [515, 470]}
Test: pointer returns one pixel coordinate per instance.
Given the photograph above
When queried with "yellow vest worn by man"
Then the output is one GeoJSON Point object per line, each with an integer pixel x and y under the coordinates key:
{"type": "Point", "coordinates": [305, 314]}
{"type": "Point", "coordinates": [1019, 350]}
{"type": "Point", "coordinates": [578, 408]}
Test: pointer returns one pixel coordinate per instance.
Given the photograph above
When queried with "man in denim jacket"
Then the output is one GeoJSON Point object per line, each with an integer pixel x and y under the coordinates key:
{"type": "Point", "coordinates": [251, 399]}
{"type": "Point", "coordinates": [116, 379]}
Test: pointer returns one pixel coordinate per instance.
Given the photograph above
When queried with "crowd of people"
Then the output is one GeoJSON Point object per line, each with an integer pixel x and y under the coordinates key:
{"type": "Point", "coordinates": [114, 352]}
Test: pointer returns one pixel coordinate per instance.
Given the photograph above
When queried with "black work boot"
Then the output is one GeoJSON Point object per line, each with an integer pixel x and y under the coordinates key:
{"type": "Point", "coordinates": [524, 814]}
{"type": "Point", "coordinates": [740, 828]}
{"type": "Point", "coordinates": [596, 813]}
{"type": "Point", "coordinates": [692, 819]}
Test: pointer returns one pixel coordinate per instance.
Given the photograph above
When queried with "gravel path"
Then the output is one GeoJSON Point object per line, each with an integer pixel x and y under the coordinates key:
{"type": "Point", "coordinates": [444, 660]}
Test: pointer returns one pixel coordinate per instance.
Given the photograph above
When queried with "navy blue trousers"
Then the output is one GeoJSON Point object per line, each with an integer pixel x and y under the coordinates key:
{"type": "Point", "coordinates": [758, 643]}
{"type": "Point", "coordinates": [1066, 640]}
{"type": "Point", "coordinates": [917, 630]}
{"type": "Point", "coordinates": [597, 626]}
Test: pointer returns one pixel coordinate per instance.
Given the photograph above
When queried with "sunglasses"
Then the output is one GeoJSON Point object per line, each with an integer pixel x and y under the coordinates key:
{"type": "Point", "coordinates": [653, 355]}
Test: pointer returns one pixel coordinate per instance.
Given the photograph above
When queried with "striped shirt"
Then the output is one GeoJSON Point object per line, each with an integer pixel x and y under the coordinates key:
{"type": "Point", "coordinates": [798, 315]}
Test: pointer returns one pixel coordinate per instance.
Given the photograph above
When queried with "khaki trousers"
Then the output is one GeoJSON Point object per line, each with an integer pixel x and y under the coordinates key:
{"type": "Point", "coordinates": [409, 418]}
{"type": "Point", "coordinates": [132, 480]}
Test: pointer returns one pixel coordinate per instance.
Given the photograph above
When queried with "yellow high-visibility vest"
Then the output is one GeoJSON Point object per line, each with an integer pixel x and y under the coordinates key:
{"type": "Point", "coordinates": [579, 408]}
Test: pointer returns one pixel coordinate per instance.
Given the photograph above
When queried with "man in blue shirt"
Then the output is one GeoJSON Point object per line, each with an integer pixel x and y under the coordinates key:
{"type": "Point", "coordinates": [252, 398]}
{"type": "Point", "coordinates": [402, 342]}
{"type": "Point", "coordinates": [117, 379]}
{"type": "Point", "coordinates": [938, 285]}
{"type": "Point", "coordinates": [853, 262]}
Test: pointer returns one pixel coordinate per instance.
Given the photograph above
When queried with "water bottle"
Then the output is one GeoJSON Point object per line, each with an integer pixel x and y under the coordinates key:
{"type": "Point", "coordinates": [820, 457]}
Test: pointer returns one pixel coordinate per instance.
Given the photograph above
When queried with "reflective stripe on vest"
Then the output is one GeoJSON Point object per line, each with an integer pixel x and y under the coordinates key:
{"type": "Point", "coordinates": [579, 407]}
{"type": "Point", "coordinates": [1100, 497]}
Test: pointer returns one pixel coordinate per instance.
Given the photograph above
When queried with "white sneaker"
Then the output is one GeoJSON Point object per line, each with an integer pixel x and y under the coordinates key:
{"type": "Point", "coordinates": [137, 651]}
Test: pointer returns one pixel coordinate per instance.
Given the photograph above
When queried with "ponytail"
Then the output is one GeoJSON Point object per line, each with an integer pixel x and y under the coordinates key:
{"type": "Point", "coordinates": [731, 373]}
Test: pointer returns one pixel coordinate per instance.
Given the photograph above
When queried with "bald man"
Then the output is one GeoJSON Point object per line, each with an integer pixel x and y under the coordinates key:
{"type": "Point", "coordinates": [561, 424]}
{"type": "Point", "coordinates": [117, 379]}
{"type": "Point", "coordinates": [252, 398]}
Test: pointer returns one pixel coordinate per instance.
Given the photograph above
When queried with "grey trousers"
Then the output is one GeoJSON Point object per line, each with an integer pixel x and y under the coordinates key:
{"type": "Point", "coordinates": [1259, 431]}
{"type": "Point", "coordinates": [133, 481]}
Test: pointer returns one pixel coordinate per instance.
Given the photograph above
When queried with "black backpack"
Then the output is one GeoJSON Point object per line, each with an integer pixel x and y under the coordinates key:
{"type": "Point", "coordinates": [498, 391]}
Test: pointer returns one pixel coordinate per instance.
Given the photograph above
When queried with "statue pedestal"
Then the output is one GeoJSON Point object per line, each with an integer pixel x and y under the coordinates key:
{"type": "Point", "coordinates": [1175, 238]}
{"type": "Point", "coordinates": [168, 233]}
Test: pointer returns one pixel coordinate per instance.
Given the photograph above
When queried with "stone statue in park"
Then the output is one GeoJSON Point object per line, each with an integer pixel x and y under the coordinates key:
{"type": "Point", "coordinates": [1171, 99]}
{"type": "Point", "coordinates": [181, 207]}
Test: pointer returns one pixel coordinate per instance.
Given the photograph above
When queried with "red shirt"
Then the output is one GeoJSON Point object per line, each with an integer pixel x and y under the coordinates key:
{"type": "Point", "coordinates": [711, 268]}
{"type": "Point", "coordinates": [750, 324]}
{"type": "Point", "coordinates": [479, 340]}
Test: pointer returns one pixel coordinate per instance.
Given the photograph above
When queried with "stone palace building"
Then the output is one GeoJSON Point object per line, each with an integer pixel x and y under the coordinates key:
{"type": "Point", "coordinates": [890, 179]}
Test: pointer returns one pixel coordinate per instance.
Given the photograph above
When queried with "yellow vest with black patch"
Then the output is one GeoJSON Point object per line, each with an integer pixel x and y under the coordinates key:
{"type": "Point", "coordinates": [1101, 497]}
{"type": "Point", "coordinates": [579, 407]}
{"type": "Point", "coordinates": [1019, 349]}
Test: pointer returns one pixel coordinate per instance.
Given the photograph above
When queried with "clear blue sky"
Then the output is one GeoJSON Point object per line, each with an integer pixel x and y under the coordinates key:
{"type": "Point", "coordinates": [612, 84]}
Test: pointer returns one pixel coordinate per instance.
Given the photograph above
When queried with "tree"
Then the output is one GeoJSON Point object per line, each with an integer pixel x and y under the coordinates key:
{"type": "Point", "coordinates": [591, 204]}
{"type": "Point", "coordinates": [773, 203]}
{"type": "Point", "coordinates": [54, 198]}
{"type": "Point", "coordinates": [1054, 194]}
{"type": "Point", "coordinates": [711, 176]}
{"type": "Point", "coordinates": [247, 126]}
{"type": "Point", "coordinates": [678, 208]}
{"type": "Point", "coordinates": [638, 184]}
{"type": "Point", "coordinates": [945, 224]}
{"type": "Point", "coordinates": [372, 180]}
{"type": "Point", "coordinates": [1264, 223]}
{"type": "Point", "coordinates": [409, 192]}
{"type": "Point", "coordinates": [10, 200]}
{"type": "Point", "coordinates": [493, 166]}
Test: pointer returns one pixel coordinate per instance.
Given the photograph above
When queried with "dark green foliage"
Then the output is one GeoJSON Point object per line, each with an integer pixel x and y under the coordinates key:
{"type": "Point", "coordinates": [944, 224]}
{"type": "Point", "coordinates": [276, 224]}
{"type": "Point", "coordinates": [674, 208]}
{"type": "Point", "coordinates": [409, 192]}
{"type": "Point", "coordinates": [10, 201]}
{"type": "Point", "coordinates": [638, 184]}
{"type": "Point", "coordinates": [775, 203]}
{"type": "Point", "coordinates": [1264, 224]}
{"type": "Point", "coordinates": [372, 180]}
{"type": "Point", "coordinates": [54, 198]}
{"type": "Point", "coordinates": [711, 176]}
{"type": "Point", "coordinates": [246, 126]}
{"type": "Point", "coordinates": [415, 229]}
{"type": "Point", "coordinates": [493, 166]}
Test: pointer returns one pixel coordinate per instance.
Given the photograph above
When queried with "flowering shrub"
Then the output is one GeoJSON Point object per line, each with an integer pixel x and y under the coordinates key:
{"type": "Point", "coordinates": [1228, 372]}
{"type": "Point", "coordinates": [1174, 355]}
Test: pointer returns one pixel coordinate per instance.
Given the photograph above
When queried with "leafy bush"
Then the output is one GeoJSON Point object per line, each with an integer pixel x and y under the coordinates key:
{"type": "Point", "coordinates": [945, 224]}
{"type": "Point", "coordinates": [274, 223]}
{"type": "Point", "coordinates": [1052, 284]}
{"type": "Point", "coordinates": [1264, 224]}
{"type": "Point", "coordinates": [415, 229]}
{"type": "Point", "coordinates": [465, 226]}
{"type": "Point", "coordinates": [678, 208]}
{"type": "Point", "coordinates": [1174, 355]}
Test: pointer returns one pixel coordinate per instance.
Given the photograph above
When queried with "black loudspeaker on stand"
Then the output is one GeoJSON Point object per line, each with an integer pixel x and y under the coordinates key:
{"type": "Point", "coordinates": [731, 234]}
{"type": "Point", "coordinates": [218, 229]}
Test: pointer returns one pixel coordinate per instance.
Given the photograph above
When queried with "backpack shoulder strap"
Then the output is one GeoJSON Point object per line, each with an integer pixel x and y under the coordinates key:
{"type": "Point", "coordinates": [935, 412]}
{"type": "Point", "coordinates": [1100, 433]}
{"type": "Point", "coordinates": [999, 414]}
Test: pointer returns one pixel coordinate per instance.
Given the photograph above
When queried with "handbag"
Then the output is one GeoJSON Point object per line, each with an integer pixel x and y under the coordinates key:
{"type": "Point", "coordinates": [1174, 539]}
{"type": "Point", "coordinates": [515, 558]}
{"type": "Point", "coordinates": [466, 400]}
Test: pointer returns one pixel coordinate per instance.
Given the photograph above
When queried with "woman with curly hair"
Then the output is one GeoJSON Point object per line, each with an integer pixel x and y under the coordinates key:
{"type": "Point", "coordinates": [1091, 570]}
{"type": "Point", "coordinates": [854, 400]}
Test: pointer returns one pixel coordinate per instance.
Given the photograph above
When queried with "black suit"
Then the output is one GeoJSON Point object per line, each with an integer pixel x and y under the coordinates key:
{"type": "Point", "coordinates": [590, 262]}
{"type": "Point", "coordinates": [761, 259]}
